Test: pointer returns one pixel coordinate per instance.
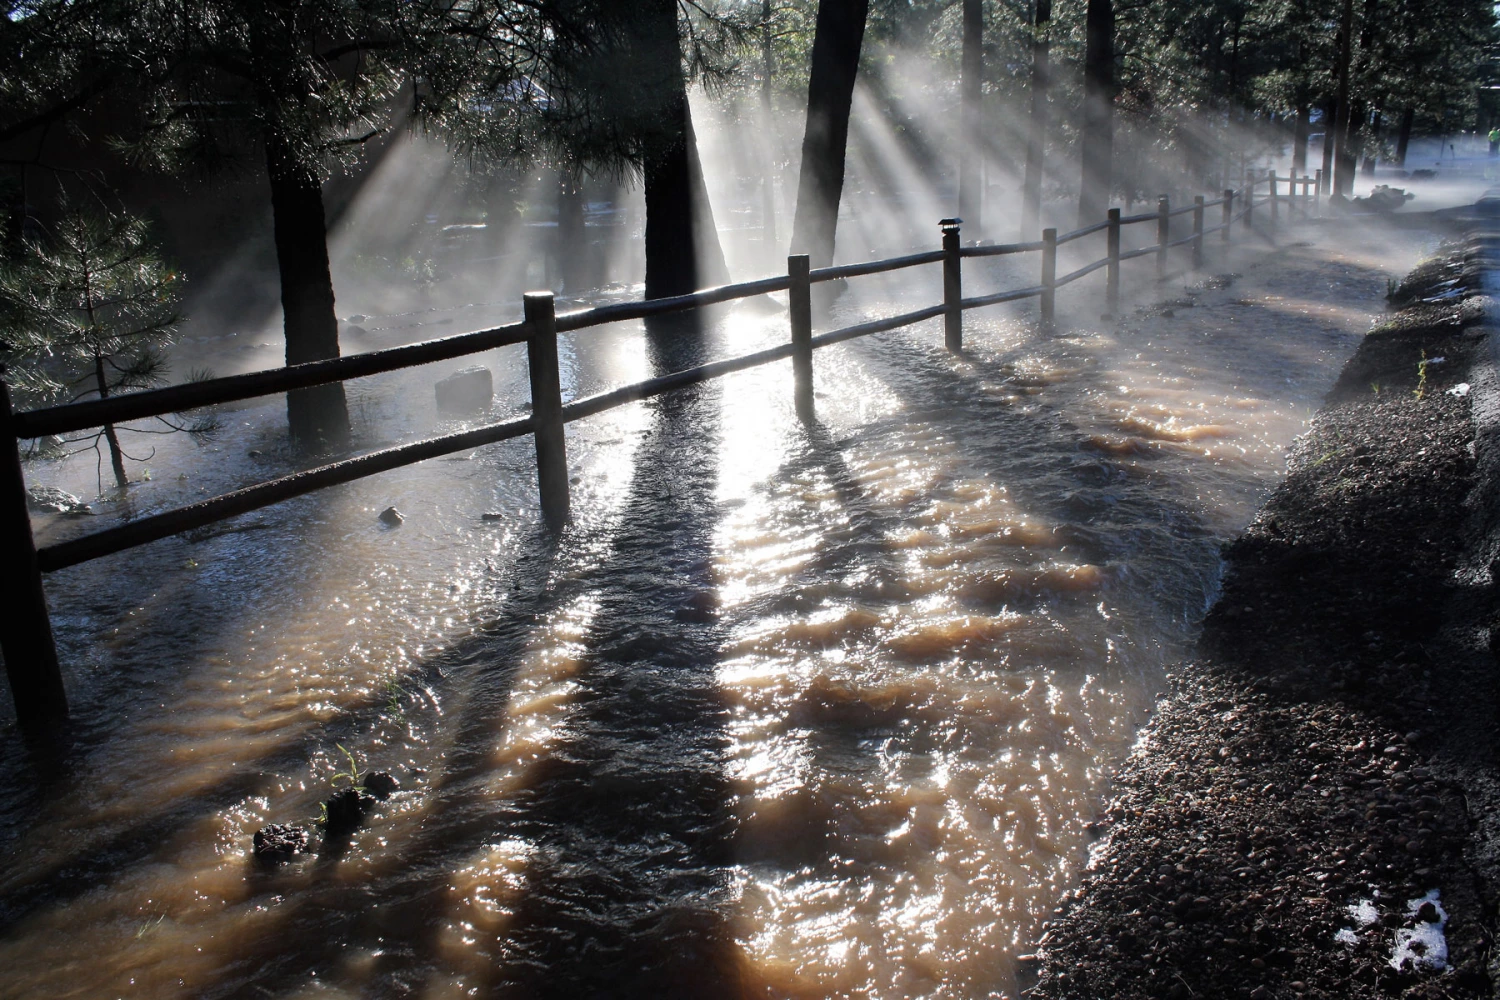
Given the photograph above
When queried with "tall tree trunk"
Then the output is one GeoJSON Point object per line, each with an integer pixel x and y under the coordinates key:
{"type": "Point", "coordinates": [1098, 112]}
{"type": "Point", "coordinates": [1354, 143]}
{"type": "Point", "coordinates": [1330, 131]}
{"type": "Point", "coordinates": [1367, 164]}
{"type": "Point", "coordinates": [682, 242]}
{"type": "Point", "coordinates": [571, 247]}
{"type": "Point", "coordinates": [768, 110]}
{"type": "Point", "coordinates": [971, 142]}
{"type": "Point", "coordinates": [837, 39]}
{"type": "Point", "coordinates": [1403, 139]}
{"type": "Point", "coordinates": [1299, 140]}
{"type": "Point", "coordinates": [1343, 163]}
{"type": "Point", "coordinates": [318, 416]}
{"type": "Point", "coordinates": [1036, 139]}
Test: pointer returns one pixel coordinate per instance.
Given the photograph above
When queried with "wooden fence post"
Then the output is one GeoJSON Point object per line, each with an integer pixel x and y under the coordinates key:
{"type": "Point", "coordinates": [799, 296]}
{"type": "Point", "coordinates": [953, 287]}
{"type": "Point", "coordinates": [1112, 270]}
{"type": "Point", "coordinates": [546, 408]}
{"type": "Point", "coordinates": [1049, 276]}
{"type": "Point", "coordinates": [1228, 215]}
{"type": "Point", "coordinates": [1198, 232]}
{"type": "Point", "coordinates": [1271, 183]}
{"type": "Point", "coordinates": [1249, 205]}
{"type": "Point", "coordinates": [1318, 194]}
{"type": "Point", "coordinates": [1163, 233]}
{"type": "Point", "coordinates": [36, 683]}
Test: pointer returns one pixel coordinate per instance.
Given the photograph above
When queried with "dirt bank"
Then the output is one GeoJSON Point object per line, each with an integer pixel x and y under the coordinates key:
{"type": "Point", "coordinates": [1313, 810]}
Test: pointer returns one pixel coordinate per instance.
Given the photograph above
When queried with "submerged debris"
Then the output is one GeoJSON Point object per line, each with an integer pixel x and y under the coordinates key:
{"type": "Point", "coordinates": [278, 843]}
{"type": "Point", "coordinates": [381, 784]}
{"type": "Point", "coordinates": [1383, 198]}
{"type": "Point", "coordinates": [345, 814]}
{"type": "Point", "coordinates": [50, 500]}
{"type": "Point", "coordinates": [467, 390]}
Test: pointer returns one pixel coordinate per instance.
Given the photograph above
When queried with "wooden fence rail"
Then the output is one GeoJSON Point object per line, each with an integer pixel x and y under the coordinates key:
{"type": "Point", "coordinates": [26, 639]}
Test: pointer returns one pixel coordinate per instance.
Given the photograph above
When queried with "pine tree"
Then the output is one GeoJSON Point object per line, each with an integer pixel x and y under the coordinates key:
{"type": "Point", "coordinates": [88, 313]}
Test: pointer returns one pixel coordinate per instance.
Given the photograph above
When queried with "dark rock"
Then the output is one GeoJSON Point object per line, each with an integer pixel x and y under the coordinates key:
{"type": "Point", "coordinates": [278, 843]}
{"type": "Point", "coordinates": [465, 391]}
{"type": "Point", "coordinates": [346, 812]}
{"type": "Point", "coordinates": [1428, 914]}
{"type": "Point", "coordinates": [391, 516]}
{"type": "Point", "coordinates": [491, 516]}
{"type": "Point", "coordinates": [1383, 198]}
{"type": "Point", "coordinates": [49, 500]}
{"type": "Point", "coordinates": [381, 784]}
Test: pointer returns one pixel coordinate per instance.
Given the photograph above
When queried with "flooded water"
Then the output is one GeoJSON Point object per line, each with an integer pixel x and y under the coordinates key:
{"type": "Point", "coordinates": [790, 710]}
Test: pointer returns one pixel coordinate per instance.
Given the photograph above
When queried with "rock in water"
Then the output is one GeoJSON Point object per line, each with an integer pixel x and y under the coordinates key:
{"type": "Point", "coordinates": [391, 516]}
{"type": "Point", "coordinates": [346, 811]}
{"type": "Point", "coordinates": [380, 784]}
{"type": "Point", "coordinates": [1383, 198]}
{"type": "Point", "coordinates": [465, 391]}
{"type": "Point", "coordinates": [49, 500]}
{"type": "Point", "coordinates": [278, 843]}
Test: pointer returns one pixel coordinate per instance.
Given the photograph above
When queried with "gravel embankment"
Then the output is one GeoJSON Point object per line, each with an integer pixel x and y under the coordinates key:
{"type": "Point", "coordinates": [1313, 811]}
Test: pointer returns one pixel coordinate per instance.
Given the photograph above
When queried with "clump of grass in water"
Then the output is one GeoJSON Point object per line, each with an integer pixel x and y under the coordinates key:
{"type": "Point", "coordinates": [1375, 388]}
{"type": "Point", "coordinates": [1421, 389]}
{"type": "Point", "coordinates": [351, 775]}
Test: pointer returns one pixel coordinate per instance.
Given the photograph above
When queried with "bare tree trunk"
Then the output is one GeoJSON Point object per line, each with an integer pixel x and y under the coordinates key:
{"type": "Point", "coordinates": [1031, 191]}
{"type": "Point", "coordinates": [571, 247]}
{"type": "Point", "coordinates": [682, 243]}
{"type": "Point", "coordinates": [316, 417]}
{"type": "Point", "coordinates": [1098, 112]}
{"type": "Point", "coordinates": [1367, 164]}
{"type": "Point", "coordinates": [1299, 140]}
{"type": "Point", "coordinates": [970, 202]}
{"type": "Point", "coordinates": [768, 185]}
{"type": "Point", "coordinates": [116, 455]}
{"type": "Point", "coordinates": [1343, 162]}
{"type": "Point", "coordinates": [1403, 139]}
{"type": "Point", "coordinates": [1330, 115]}
{"type": "Point", "coordinates": [837, 39]}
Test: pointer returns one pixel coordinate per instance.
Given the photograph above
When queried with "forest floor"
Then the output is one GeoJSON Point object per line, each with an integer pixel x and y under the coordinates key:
{"type": "Point", "coordinates": [1314, 810]}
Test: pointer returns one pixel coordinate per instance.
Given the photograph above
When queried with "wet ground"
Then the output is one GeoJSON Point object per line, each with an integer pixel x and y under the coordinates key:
{"type": "Point", "coordinates": [790, 709]}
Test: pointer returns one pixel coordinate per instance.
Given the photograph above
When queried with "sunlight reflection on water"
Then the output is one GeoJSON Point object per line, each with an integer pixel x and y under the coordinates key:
{"type": "Point", "coordinates": [827, 706]}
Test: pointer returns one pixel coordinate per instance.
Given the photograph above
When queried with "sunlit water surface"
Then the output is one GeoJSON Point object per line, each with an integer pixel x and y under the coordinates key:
{"type": "Point", "coordinates": [791, 709]}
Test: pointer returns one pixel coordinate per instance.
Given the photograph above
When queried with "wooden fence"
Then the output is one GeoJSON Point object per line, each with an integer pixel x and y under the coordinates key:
{"type": "Point", "coordinates": [26, 638]}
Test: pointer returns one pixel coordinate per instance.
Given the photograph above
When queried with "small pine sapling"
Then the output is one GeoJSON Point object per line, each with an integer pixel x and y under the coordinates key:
{"type": "Point", "coordinates": [89, 312]}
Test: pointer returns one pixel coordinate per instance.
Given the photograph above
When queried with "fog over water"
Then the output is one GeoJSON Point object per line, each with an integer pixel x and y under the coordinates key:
{"type": "Point", "coordinates": [790, 709]}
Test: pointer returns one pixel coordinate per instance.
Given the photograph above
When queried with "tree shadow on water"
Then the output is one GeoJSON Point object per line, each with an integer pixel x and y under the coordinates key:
{"type": "Point", "coordinates": [627, 816]}
{"type": "Point", "coordinates": [630, 820]}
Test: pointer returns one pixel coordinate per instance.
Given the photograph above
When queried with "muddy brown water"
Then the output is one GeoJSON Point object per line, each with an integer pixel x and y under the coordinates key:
{"type": "Point", "coordinates": [789, 710]}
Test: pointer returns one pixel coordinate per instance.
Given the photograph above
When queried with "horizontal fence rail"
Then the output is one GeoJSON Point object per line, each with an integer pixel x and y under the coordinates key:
{"type": "Point", "coordinates": [27, 641]}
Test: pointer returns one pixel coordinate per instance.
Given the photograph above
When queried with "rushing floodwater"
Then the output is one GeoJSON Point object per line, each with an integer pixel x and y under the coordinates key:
{"type": "Point", "coordinates": [789, 711]}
